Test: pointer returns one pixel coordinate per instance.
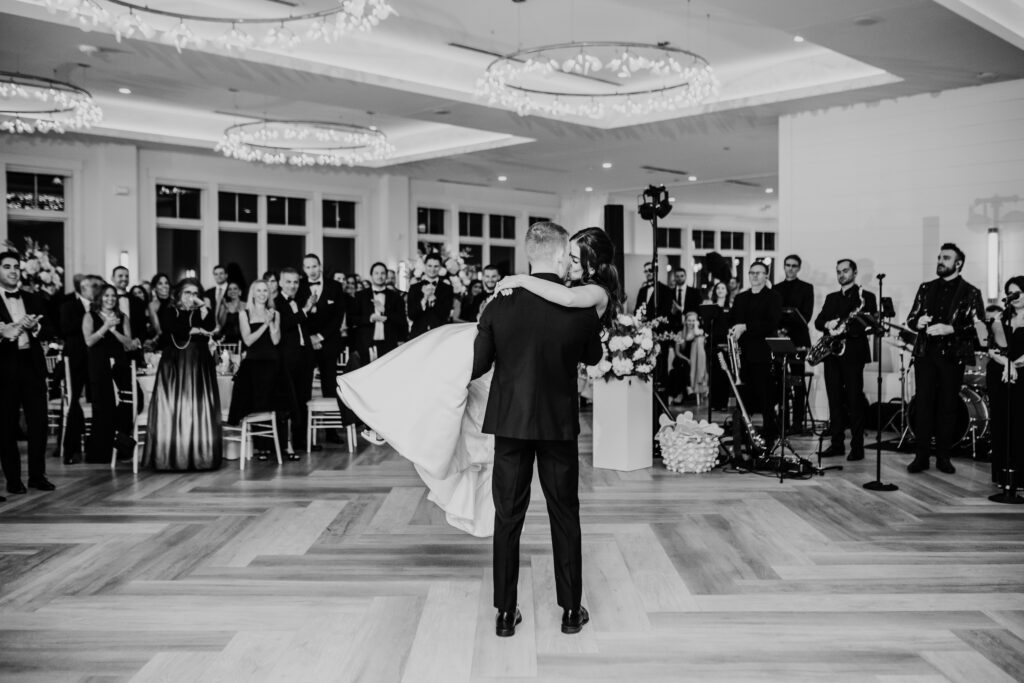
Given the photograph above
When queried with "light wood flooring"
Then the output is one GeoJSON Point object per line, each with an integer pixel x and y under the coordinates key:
{"type": "Point", "coordinates": [337, 568]}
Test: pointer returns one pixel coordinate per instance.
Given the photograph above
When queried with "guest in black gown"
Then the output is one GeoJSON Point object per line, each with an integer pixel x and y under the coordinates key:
{"type": "Point", "coordinates": [260, 384]}
{"type": "Point", "coordinates": [108, 336]}
{"type": "Point", "coordinates": [1006, 386]}
{"type": "Point", "coordinates": [715, 319]}
{"type": "Point", "coordinates": [160, 307]}
{"type": "Point", "coordinates": [228, 329]}
{"type": "Point", "coordinates": [184, 412]}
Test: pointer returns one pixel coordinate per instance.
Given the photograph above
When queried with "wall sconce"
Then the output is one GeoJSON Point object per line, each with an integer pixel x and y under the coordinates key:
{"type": "Point", "coordinates": [993, 263]}
{"type": "Point", "coordinates": [123, 260]}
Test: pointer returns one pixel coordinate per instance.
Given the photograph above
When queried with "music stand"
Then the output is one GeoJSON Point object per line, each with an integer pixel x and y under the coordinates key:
{"type": "Point", "coordinates": [785, 348]}
{"type": "Point", "coordinates": [795, 313]}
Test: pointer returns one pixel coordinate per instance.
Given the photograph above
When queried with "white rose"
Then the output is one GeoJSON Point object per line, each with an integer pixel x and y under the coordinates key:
{"type": "Point", "coordinates": [595, 371]}
{"type": "Point", "coordinates": [646, 343]}
{"type": "Point", "coordinates": [604, 366]}
{"type": "Point", "coordinates": [622, 366]}
{"type": "Point", "coordinates": [638, 354]}
{"type": "Point", "coordinates": [44, 277]}
{"type": "Point", "coordinates": [625, 342]}
{"type": "Point", "coordinates": [624, 319]}
{"type": "Point", "coordinates": [643, 368]}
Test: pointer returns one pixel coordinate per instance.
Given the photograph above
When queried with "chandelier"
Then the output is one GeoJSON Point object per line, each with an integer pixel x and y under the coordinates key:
{"type": "Point", "coordinates": [31, 104]}
{"type": "Point", "coordinates": [304, 143]}
{"type": "Point", "coordinates": [594, 79]}
{"type": "Point", "coordinates": [137, 19]}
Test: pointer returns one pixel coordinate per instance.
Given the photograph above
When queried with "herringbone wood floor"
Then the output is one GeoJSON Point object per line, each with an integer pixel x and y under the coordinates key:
{"type": "Point", "coordinates": [338, 568]}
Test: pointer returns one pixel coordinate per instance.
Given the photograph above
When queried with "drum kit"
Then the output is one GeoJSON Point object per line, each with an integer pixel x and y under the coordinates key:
{"type": "Point", "coordinates": [972, 411]}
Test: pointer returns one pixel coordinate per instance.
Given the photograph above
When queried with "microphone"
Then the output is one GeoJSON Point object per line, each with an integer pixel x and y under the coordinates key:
{"type": "Point", "coordinates": [1011, 297]}
{"type": "Point", "coordinates": [880, 276]}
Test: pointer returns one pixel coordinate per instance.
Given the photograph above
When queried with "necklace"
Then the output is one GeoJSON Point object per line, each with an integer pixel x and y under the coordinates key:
{"type": "Point", "coordinates": [187, 341]}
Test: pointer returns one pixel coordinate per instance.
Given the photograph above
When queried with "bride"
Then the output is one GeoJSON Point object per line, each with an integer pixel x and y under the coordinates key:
{"type": "Point", "coordinates": [419, 398]}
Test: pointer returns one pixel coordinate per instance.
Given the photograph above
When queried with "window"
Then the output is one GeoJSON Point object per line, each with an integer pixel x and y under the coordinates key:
{"type": "Point", "coordinates": [732, 240]}
{"type": "Point", "coordinates": [430, 221]}
{"type": "Point", "coordinates": [285, 251]}
{"type": "Point", "coordinates": [339, 214]}
{"type": "Point", "coordinates": [504, 259]}
{"type": "Point", "coordinates": [671, 238]}
{"type": "Point", "coordinates": [538, 219]}
{"type": "Point", "coordinates": [239, 249]}
{"type": "Point", "coordinates": [340, 255]}
{"type": "Point", "coordinates": [503, 227]}
{"type": "Point", "coordinates": [39, 191]}
{"type": "Point", "coordinates": [235, 207]}
{"type": "Point", "coordinates": [286, 211]}
{"type": "Point", "coordinates": [177, 252]}
{"type": "Point", "coordinates": [704, 239]}
{"type": "Point", "coordinates": [764, 241]}
{"type": "Point", "coordinates": [471, 224]}
{"type": "Point", "coordinates": [473, 254]}
{"type": "Point", "coordinates": [178, 202]}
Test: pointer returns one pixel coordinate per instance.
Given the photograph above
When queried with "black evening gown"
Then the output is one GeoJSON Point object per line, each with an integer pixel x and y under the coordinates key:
{"type": "Point", "coordinates": [108, 363]}
{"type": "Point", "coordinates": [184, 413]}
{"type": "Point", "coordinates": [260, 384]}
{"type": "Point", "coordinates": [230, 331]}
{"type": "Point", "coordinates": [717, 319]}
{"type": "Point", "coordinates": [1006, 405]}
{"type": "Point", "coordinates": [165, 316]}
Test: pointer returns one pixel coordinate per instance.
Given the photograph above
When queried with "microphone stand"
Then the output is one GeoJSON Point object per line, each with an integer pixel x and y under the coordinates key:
{"type": "Point", "coordinates": [877, 484]}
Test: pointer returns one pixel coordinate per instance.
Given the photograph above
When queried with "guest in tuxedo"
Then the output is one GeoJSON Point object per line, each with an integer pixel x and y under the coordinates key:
{"type": "Point", "coordinates": [215, 295]}
{"type": "Point", "coordinates": [228, 330]}
{"type": "Point", "coordinates": [756, 314]}
{"type": "Point", "coordinates": [160, 308]}
{"type": "Point", "coordinates": [844, 374]}
{"type": "Point", "coordinates": [798, 296]}
{"type": "Point", "coordinates": [108, 336]}
{"type": "Point", "coordinates": [685, 299]}
{"type": "Point", "coordinates": [129, 306]}
{"type": "Point", "coordinates": [645, 297]}
{"type": "Point", "coordinates": [327, 302]}
{"type": "Point", "coordinates": [296, 354]}
{"type": "Point", "coordinates": [431, 299]}
{"type": "Point", "coordinates": [23, 367]}
{"type": "Point", "coordinates": [77, 359]}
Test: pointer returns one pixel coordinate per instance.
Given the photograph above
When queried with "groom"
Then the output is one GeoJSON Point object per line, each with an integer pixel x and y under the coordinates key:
{"type": "Point", "coordinates": [533, 412]}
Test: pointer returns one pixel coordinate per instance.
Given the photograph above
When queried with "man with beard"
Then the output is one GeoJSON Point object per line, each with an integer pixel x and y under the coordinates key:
{"type": "Point", "coordinates": [944, 312]}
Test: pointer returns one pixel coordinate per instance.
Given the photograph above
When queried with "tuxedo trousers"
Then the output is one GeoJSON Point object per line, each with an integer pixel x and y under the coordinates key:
{"type": "Point", "coordinates": [26, 390]}
{"type": "Point", "coordinates": [937, 381]}
{"type": "Point", "coordinates": [298, 369]}
{"type": "Point", "coordinates": [558, 467]}
{"type": "Point", "coordinates": [844, 386]}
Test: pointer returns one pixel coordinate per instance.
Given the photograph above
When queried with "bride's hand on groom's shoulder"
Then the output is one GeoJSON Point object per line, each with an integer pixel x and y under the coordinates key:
{"type": "Point", "coordinates": [507, 284]}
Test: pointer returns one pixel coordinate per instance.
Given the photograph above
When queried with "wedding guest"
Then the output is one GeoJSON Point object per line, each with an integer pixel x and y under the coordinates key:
{"type": "Point", "coordinates": [689, 373]}
{"type": "Point", "coordinates": [228, 331]}
{"type": "Point", "coordinates": [469, 304]}
{"type": "Point", "coordinates": [339, 277]}
{"type": "Point", "coordinates": [160, 308]}
{"type": "Point", "coordinates": [715, 311]}
{"type": "Point", "coordinates": [270, 277]}
{"type": "Point", "coordinates": [430, 299]}
{"type": "Point", "coordinates": [184, 411]}
{"type": "Point", "coordinates": [296, 353]}
{"type": "Point", "coordinates": [645, 297]}
{"type": "Point", "coordinates": [391, 281]}
{"type": "Point", "coordinates": [108, 336]}
{"type": "Point", "coordinates": [327, 303]}
{"type": "Point", "coordinates": [77, 360]}
{"type": "Point", "coordinates": [489, 279]}
{"type": "Point", "coordinates": [138, 316]}
{"type": "Point", "coordinates": [23, 367]}
{"type": "Point", "coordinates": [215, 295]}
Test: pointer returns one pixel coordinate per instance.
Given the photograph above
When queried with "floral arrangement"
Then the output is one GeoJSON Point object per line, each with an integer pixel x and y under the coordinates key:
{"type": "Point", "coordinates": [631, 347]}
{"type": "Point", "coordinates": [39, 270]}
{"type": "Point", "coordinates": [688, 445]}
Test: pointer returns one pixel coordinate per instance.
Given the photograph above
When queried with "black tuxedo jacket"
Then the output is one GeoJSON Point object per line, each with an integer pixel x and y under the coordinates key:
{"type": "Point", "coordinates": [666, 295]}
{"type": "Point", "coordinates": [690, 302]}
{"type": "Point", "coordinates": [762, 314]}
{"type": "Point", "coordinates": [535, 347]}
{"type": "Point", "coordinates": [432, 316]}
{"type": "Point", "coordinates": [799, 295]}
{"type": "Point", "coordinates": [294, 344]}
{"type": "Point", "coordinates": [211, 296]}
{"type": "Point", "coordinates": [9, 356]}
{"type": "Point", "coordinates": [837, 306]}
{"type": "Point", "coordinates": [330, 311]}
{"type": "Point", "coordinates": [396, 327]}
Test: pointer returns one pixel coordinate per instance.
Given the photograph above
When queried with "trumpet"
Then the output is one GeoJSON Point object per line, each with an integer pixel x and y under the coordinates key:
{"type": "Point", "coordinates": [734, 357]}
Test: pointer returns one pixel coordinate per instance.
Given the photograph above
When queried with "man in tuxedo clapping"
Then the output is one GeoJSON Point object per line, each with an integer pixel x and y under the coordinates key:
{"type": "Point", "coordinates": [326, 300]}
{"type": "Point", "coordinates": [431, 299]}
{"type": "Point", "coordinates": [296, 352]}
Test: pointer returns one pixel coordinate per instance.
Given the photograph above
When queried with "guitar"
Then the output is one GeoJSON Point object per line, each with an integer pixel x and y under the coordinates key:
{"type": "Point", "coordinates": [755, 443]}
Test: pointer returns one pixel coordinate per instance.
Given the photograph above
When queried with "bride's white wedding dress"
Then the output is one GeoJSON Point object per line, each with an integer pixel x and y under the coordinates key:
{"type": "Point", "coordinates": [419, 398]}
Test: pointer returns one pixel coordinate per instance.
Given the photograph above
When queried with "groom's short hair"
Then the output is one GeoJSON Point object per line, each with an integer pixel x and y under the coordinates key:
{"type": "Point", "coordinates": [543, 239]}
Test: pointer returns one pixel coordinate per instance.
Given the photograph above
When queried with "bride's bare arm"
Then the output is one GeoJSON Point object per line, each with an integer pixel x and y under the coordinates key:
{"type": "Point", "coordinates": [587, 296]}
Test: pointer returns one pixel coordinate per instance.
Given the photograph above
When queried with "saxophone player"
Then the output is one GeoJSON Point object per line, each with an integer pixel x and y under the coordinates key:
{"type": "Point", "coordinates": [844, 369]}
{"type": "Point", "coordinates": [755, 315]}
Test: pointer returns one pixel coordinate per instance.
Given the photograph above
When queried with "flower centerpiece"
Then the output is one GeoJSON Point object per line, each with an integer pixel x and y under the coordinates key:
{"type": "Point", "coordinates": [631, 346]}
{"type": "Point", "coordinates": [688, 445]}
{"type": "Point", "coordinates": [39, 270]}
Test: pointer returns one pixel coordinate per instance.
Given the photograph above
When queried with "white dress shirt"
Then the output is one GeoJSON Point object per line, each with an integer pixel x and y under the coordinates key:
{"type": "Point", "coordinates": [380, 299]}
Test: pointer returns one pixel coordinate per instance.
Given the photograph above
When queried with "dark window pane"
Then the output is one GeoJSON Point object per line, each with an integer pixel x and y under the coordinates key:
{"type": "Point", "coordinates": [425, 248]}
{"type": "Point", "coordinates": [50, 192]}
{"type": "Point", "coordinates": [21, 190]}
{"type": "Point", "coordinates": [473, 254]}
{"type": "Point", "coordinates": [247, 208]}
{"type": "Point", "coordinates": [177, 252]}
{"type": "Point", "coordinates": [503, 227]}
{"type": "Point", "coordinates": [737, 240]}
{"type": "Point", "coordinates": [430, 221]}
{"type": "Point", "coordinates": [177, 202]}
{"type": "Point", "coordinates": [188, 203]}
{"type": "Point", "coordinates": [296, 211]}
{"type": "Point", "coordinates": [662, 237]}
{"type": "Point", "coordinates": [226, 206]}
{"type": "Point", "coordinates": [704, 239]}
{"type": "Point", "coordinates": [340, 254]}
{"type": "Point", "coordinates": [239, 249]}
{"type": "Point", "coordinates": [276, 208]}
{"type": "Point", "coordinates": [47, 236]}
{"type": "Point", "coordinates": [471, 224]}
{"type": "Point", "coordinates": [675, 238]}
{"type": "Point", "coordinates": [285, 251]}
{"type": "Point", "coordinates": [504, 259]}
{"type": "Point", "coordinates": [166, 202]}
{"type": "Point", "coordinates": [339, 214]}
{"type": "Point", "coordinates": [537, 219]}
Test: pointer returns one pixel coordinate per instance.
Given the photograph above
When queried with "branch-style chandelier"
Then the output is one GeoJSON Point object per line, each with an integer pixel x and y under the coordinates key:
{"type": "Point", "coordinates": [32, 104]}
{"type": "Point", "coordinates": [304, 143]}
{"type": "Point", "coordinates": [137, 19]}
{"type": "Point", "coordinates": [595, 79]}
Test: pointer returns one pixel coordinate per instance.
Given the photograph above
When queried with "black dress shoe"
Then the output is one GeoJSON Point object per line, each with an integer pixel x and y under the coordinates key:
{"type": "Point", "coordinates": [833, 451]}
{"type": "Point", "coordinates": [856, 454]}
{"type": "Point", "coordinates": [944, 465]}
{"type": "Point", "coordinates": [505, 624]}
{"type": "Point", "coordinates": [916, 466]}
{"type": "Point", "coordinates": [574, 619]}
{"type": "Point", "coordinates": [16, 487]}
{"type": "Point", "coordinates": [293, 457]}
{"type": "Point", "coordinates": [43, 484]}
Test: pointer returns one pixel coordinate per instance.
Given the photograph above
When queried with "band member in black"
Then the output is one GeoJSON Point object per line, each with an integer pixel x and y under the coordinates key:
{"type": "Point", "coordinates": [755, 315]}
{"type": "Point", "coordinates": [797, 297]}
{"type": "Point", "coordinates": [844, 370]}
{"type": "Point", "coordinates": [1005, 382]}
{"type": "Point", "coordinates": [944, 312]}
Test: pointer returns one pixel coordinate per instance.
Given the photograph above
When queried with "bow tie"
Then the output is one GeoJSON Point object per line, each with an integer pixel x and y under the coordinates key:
{"type": "Point", "coordinates": [12, 295]}
{"type": "Point", "coordinates": [379, 291]}
{"type": "Point", "coordinates": [315, 284]}
{"type": "Point", "coordinates": [431, 282]}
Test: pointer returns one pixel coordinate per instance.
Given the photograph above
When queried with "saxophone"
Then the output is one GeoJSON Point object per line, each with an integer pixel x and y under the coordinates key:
{"type": "Point", "coordinates": [834, 344]}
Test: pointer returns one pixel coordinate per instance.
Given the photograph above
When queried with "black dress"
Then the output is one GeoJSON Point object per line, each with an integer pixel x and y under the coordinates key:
{"type": "Point", "coordinates": [716, 320]}
{"type": "Point", "coordinates": [230, 331]}
{"type": "Point", "coordinates": [108, 363]}
{"type": "Point", "coordinates": [184, 412]}
{"type": "Point", "coordinates": [1006, 400]}
{"type": "Point", "coordinates": [165, 316]}
{"type": "Point", "coordinates": [260, 384]}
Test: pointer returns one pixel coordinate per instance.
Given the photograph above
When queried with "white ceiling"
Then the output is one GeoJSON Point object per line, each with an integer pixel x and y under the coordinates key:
{"type": "Point", "coordinates": [407, 78]}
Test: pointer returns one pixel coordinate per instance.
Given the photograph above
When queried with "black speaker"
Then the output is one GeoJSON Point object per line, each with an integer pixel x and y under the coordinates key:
{"type": "Point", "coordinates": [614, 219]}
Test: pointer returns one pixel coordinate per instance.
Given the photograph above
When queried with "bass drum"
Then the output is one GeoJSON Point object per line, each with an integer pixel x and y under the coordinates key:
{"type": "Point", "coordinates": [971, 411]}
{"type": "Point", "coordinates": [975, 375]}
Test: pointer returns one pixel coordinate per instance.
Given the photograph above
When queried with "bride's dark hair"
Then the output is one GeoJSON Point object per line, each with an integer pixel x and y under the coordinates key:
{"type": "Point", "coordinates": [597, 256]}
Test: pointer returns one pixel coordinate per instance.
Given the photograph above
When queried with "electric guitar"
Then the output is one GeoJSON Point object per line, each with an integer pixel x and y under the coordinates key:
{"type": "Point", "coordinates": [755, 443]}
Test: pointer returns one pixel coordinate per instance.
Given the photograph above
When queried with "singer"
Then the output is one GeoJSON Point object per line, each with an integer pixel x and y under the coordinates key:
{"type": "Point", "coordinates": [184, 413]}
{"type": "Point", "coordinates": [1006, 385]}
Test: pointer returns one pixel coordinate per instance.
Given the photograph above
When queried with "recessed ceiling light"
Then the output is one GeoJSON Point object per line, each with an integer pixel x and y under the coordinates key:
{"type": "Point", "coordinates": [692, 179]}
{"type": "Point", "coordinates": [125, 91]}
{"type": "Point", "coordinates": [588, 188]}
{"type": "Point", "coordinates": [502, 178]}
{"type": "Point", "coordinates": [798, 39]}
{"type": "Point", "coordinates": [769, 190]}
{"type": "Point", "coordinates": [606, 164]}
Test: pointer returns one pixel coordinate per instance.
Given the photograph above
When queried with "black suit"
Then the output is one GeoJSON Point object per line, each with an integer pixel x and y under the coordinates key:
{"type": "Point", "coordinates": [76, 355]}
{"type": "Point", "coordinates": [326, 319]}
{"type": "Point", "coordinates": [24, 373]}
{"type": "Point", "coordinates": [844, 375]}
{"type": "Point", "coordinates": [533, 412]}
{"type": "Point", "coordinates": [685, 301]}
{"type": "Point", "coordinates": [434, 315]}
{"type": "Point", "coordinates": [211, 296]}
{"type": "Point", "coordinates": [361, 328]}
{"type": "Point", "coordinates": [666, 296]}
{"type": "Point", "coordinates": [297, 359]}
{"type": "Point", "coordinates": [761, 313]}
{"type": "Point", "coordinates": [798, 295]}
